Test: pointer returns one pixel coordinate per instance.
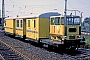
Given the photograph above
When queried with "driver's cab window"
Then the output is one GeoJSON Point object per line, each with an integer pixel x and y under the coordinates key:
{"type": "Point", "coordinates": [52, 21]}
{"type": "Point", "coordinates": [57, 20]}
{"type": "Point", "coordinates": [62, 20]}
{"type": "Point", "coordinates": [69, 21]}
{"type": "Point", "coordinates": [77, 21]}
{"type": "Point", "coordinates": [73, 20]}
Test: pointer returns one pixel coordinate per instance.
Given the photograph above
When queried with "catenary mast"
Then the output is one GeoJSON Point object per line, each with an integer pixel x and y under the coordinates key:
{"type": "Point", "coordinates": [65, 13]}
{"type": "Point", "coordinates": [3, 14]}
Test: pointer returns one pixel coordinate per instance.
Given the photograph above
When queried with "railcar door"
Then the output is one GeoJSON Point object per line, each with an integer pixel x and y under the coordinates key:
{"type": "Point", "coordinates": [29, 25]}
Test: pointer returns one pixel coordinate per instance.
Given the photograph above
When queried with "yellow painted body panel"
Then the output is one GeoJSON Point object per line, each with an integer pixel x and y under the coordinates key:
{"type": "Point", "coordinates": [19, 30]}
{"type": "Point", "coordinates": [44, 27]}
{"type": "Point", "coordinates": [30, 29]}
{"type": "Point", "coordinates": [36, 29]}
{"type": "Point", "coordinates": [57, 30]}
{"type": "Point", "coordinates": [52, 27]}
{"type": "Point", "coordinates": [9, 30]}
{"type": "Point", "coordinates": [40, 31]}
{"type": "Point", "coordinates": [73, 33]}
{"type": "Point", "coordinates": [9, 23]}
{"type": "Point", "coordinates": [9, 26]}
{"type": "Point", "coordinates": [62, 30]}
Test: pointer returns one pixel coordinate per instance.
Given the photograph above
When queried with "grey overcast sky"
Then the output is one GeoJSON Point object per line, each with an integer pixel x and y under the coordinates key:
{"type": "Point", "coordinates": [25, 7]}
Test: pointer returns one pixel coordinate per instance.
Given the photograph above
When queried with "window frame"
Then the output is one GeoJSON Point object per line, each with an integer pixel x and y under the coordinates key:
{"type": "Point", "coordinates": [72, 21]}
{"type": "Point", "coordinates": [57, 20]}
{"type": "Point", "coordinates": [51, 21]}
{"type": "Point", "coordinates": [17, 23]}
{"type": "Point", "coordinates": [78, 22]}
{"type": "Point", "coordinates": [34, 23]}
{"type": "Point", "coordinates": [28, 23]}
{"type": "Point", "coordinates": [62, 20]}
{"type": "Point", "coordinates": [21, 23]}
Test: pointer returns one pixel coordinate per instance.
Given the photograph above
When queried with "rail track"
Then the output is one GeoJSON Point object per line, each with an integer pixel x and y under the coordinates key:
{"type": "Point", "coordinates": [36, 53]}
{"type": "Point", "coordinates": [7, 54]}
{"type": "Point", "coordinates": [15, 52]}
{"type": "Point", "coordinates": [7, 46]}
{"type": "Point", "coordinates": [85, 53]}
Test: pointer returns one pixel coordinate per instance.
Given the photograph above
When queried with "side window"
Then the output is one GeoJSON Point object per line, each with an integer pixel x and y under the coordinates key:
{"type": "Point", "coordinates": [34, 23]}
{"type": "Point", "coordinates": [17, 22]}
{"type": "Point", "coordinates": [52, 21]}
{"type": "Point", "coordinates": [20, 23]}
{"type": "Point", "coordinates": [28, 23]}
{"type": "Point", "coordinates": [57, 20]}
{"type": "Point", "coordinates": [62, 20]}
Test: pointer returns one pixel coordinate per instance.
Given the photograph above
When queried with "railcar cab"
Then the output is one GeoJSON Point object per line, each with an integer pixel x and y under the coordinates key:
{"type": "Point", "coordinates": [73, 28]}
{"type": "Point", "coordinates": [70, 34]}
{"type": "Point", "coordinates": [73, 31]}
{"type": "Point", "coordinates": [56, 26]}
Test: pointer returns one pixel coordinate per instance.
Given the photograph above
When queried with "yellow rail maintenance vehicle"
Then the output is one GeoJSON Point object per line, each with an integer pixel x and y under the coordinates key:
{"type": "Point", "coordinates": [47, 29]}
{"type": "Point", "coordinates": [33, 27]}
{"type": "Point", "coordinates": [66, 37]}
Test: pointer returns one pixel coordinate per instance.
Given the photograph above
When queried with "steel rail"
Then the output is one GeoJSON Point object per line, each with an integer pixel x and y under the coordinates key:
{"type": "Point", "coordinates": [17, 52]}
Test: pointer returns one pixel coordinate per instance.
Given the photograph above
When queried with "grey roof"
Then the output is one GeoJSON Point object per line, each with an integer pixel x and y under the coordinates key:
{"type": "Point", "coordinates": [43, 15]}
{"type": "Point", "coordinates": [47, 15]}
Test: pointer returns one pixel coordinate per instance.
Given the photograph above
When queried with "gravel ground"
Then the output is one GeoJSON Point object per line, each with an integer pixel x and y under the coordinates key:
{"type": "Point", "coordinates": [36, 53]}
{"type": "Point", "coordinates": [7, 54]}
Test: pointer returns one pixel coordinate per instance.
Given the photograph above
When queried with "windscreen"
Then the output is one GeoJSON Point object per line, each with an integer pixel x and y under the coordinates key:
{"type": "Point", "coordinates": [55, 21]}
{"type": "Point", "coordinates": [73, 20]}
